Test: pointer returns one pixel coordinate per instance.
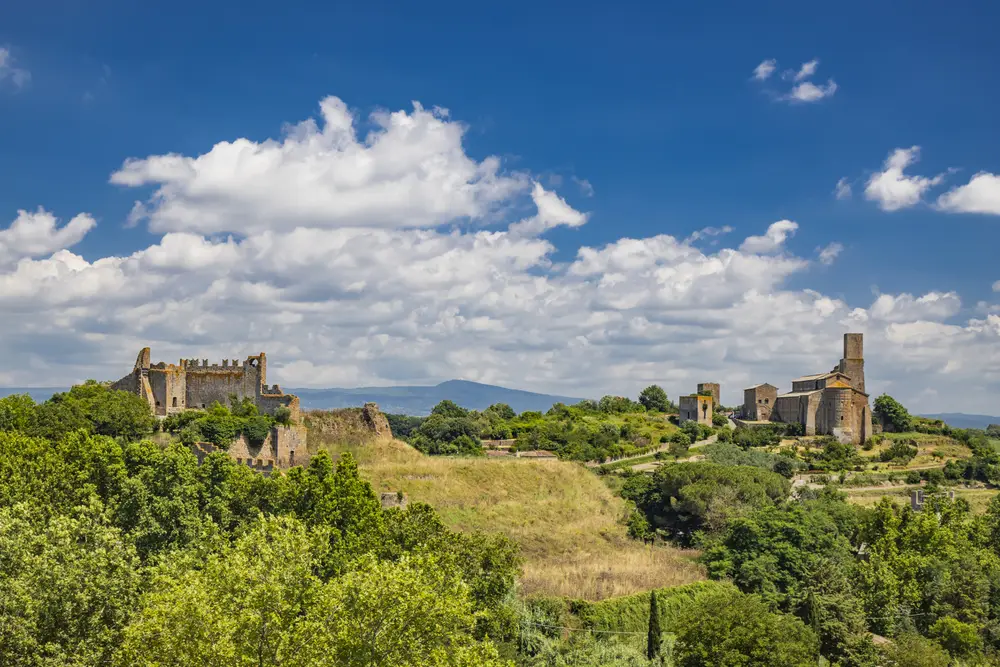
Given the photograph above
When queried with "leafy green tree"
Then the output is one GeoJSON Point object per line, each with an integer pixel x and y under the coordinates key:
{"type": "Point", "coordinates": [727, 629]}
{"type": "Point", "coordinates": [67, 586]}
{"type": "Point", "coordinates": [695, 496]}
{"type": "Point", "coordinates": [501, 411]}
{"type": "Point", "coordinates": [256, 428]}
{"type": "Point", "coordinates": [449, 409]}
{"type": "Point", "coordinates": [912, 650]}
{"type": "Point", "coordinates": [654, 398]}
{"type": "Point", "coordinates": [17, 413]}
{"type": "Point", "coordinates": [892, 415]}
{"type": "Point", "coordinates": [236, 604]}
{"type": "Point", "coordinates": [653, 634]}
{"type": "Point", "coordinates": [958, 638]}
{"type": "Point", "coordinates": [414, 612]}
{"type": "Point", "coordinates": [719, 420]}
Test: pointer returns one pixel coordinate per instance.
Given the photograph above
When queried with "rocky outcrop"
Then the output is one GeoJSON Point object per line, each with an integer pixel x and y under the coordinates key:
{"type": "Point", "coordinates": [347, 426]}
{"type": "Point", "coordinates": [376, 421]}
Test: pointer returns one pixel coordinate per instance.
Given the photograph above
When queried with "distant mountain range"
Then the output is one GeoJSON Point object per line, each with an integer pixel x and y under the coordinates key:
{"type": "Point", "coordinates": [419, 400]}
{"type": "Point", "coordinates": [415, 400]}
{"type": "Point", "coordinates": [962, 420]}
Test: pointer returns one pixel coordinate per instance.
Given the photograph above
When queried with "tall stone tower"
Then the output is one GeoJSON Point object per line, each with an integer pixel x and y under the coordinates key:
{"type": "Point", "coordinates": [853, 363]}
{"type": "Point", "coordinates": [710, 387]}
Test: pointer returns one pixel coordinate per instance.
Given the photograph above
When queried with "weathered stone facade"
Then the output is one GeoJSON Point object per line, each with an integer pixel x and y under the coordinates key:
{"type": "Point", "coordinates": [696, 408]}
{"type": "Point", "coordinates": [284, 447]}
{"type": "Point", "coordinates": [170, 388]}
{"type": "Point", "coordinates": [712, 388]}
{"type": "Point", "coordinates": [833, 403]}
{"type": "Point", "coordinates": [759, 402]}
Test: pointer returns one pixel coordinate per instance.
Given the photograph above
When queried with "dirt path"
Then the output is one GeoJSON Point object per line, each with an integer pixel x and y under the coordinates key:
{"type": "Point", "coordinates": [652, 465]}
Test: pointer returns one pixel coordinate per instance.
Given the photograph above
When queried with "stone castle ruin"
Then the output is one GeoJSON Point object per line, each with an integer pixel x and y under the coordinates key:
{"type": "Point", "coordinates": [833, 403]}
{"type": "Point", "coordinates": [170, 388]}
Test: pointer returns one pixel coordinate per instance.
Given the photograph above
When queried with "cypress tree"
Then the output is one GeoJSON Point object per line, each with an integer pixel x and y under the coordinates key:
{"type": "Point", "coordinates": [653, 636]}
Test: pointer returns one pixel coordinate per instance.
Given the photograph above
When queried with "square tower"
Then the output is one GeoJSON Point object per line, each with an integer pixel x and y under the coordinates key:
{"type": "Point", "coordinates": [853, 363]}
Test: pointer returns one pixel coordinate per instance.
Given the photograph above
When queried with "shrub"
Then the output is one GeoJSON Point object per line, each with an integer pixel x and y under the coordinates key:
{"type": "Point", "coordinates": [283, 415]}
{"type": "Point", "coordinates": [900, 451]}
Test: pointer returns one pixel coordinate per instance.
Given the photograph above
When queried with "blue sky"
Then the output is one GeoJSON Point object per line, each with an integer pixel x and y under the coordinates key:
{"type": "Point", "coordinates": [655, 107]}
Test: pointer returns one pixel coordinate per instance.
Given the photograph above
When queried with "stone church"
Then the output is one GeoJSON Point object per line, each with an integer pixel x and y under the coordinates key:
{"type": "Point", "coordinates": [833, 403]}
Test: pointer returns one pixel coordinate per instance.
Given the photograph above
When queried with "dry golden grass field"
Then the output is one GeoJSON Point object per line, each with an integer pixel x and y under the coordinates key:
{"type": "Point", "coordinates": [567, 522]}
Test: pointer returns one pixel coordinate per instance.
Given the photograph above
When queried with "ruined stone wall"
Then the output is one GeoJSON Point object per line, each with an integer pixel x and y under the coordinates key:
{"type": "Point", "coordinates": [290, 446]}
{"type": "Point", "coordinates": [206, 384]}
{"type": "Point", "coordinates": [269, 403]}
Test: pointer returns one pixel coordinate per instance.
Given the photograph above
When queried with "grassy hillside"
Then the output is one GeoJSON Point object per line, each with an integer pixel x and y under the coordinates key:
{"type": "Point", "coordinates": [566, 520]}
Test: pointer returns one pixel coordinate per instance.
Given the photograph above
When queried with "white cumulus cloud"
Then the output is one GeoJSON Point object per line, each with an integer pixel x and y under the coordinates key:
{"type": "Point", "coordinates": [410, 171]}
{"type": "Point", "coordinates": [772, 240]}
{"type": "Point", "coordinates": [980, 195]}
{"type": "Point", "coordinates": [38, 233]}
{"type": "Point", "coordinates": [399, 291]}
{"type": "Point", "coordinates": [892, 189]}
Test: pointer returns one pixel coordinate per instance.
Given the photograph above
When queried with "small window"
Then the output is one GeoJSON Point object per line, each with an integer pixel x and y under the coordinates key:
{"type": "Point", "coordinates": [291, 457]}
{"type": "Point", "coordinates": [766, 401]}
{"type": "Point", "coordinates": [841, 417]}
{"type": "Point", "coordinates": [157, 404]}
{"type": "Point", "coordinates": [239, 461]}
{"type": "Point", "coordinates": [175, 402]}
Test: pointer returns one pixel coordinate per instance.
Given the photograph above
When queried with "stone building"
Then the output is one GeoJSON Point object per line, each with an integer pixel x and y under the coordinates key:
{"type": "Point", "coordinates": [696, 408]}
{"type": "Point", "coordinates": [712, 388]}
{"type": "Point", "coordinates": [833, 403]}
{"type": "Point", "coordinates": [170, 388]}
{"type": "Point", "coordinates": [758, 402]}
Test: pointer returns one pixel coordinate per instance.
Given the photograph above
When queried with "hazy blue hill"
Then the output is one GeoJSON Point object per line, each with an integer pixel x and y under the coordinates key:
{"type": "Point", "coordinates": [962, 420]}
{"type": "Point", "coordinates": [418, 400]}
{"type": "Point", "coordinates": [39, 394]}
{"type": "Point", "coordinates": [413, 400]}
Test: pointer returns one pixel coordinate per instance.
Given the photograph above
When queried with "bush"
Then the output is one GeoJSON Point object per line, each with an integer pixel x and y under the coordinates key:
{"type": "Point", "coordinates": [900, 451]}
{"type": "Point", "coordinates": [719, 419]}
{"type": "Point", "coordinates": [283, 415]}
{"type": "Point", "coordinates": [913, 477]}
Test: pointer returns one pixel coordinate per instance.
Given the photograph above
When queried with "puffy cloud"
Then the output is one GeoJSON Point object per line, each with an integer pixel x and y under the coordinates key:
{"type": "Point", "coordinates": [980, 195]}
{"type": "Point", "coordinates": [773, 240]}
{"type": "Point", "coordinates": [996, 286]}
{"type": "Point", "coordinates": [804, 72]}
{"type": "Point", "coordinates": [553, 211]}
{"type": "Point", "coordinates": [410, 171]}
{"type": "Point", "coordinates": [829, 254]}
{"type": "Point", "coordinates": [38, 233]}
{"type": "Point", "coordinates": [765, 69]}
{"type": "Point", "coordinates": [17, 76]}
{"type": "Point", "coordinates": [807, 91]}
{"type": "Point", "coordinates": [933, 306]}
{"type": "Point", "coordinates": [843, 189]}
{"type": "Point", "coordinates": [893, 190]}
{"type": "Point", "coordinates": [370, 300]}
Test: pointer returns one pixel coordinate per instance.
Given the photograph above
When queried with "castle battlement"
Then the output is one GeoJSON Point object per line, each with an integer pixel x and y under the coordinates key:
{"type": "Point", "coordinates": [194, 383]}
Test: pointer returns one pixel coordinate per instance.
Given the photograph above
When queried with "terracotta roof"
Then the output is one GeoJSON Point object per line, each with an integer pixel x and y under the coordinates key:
{"type": "Point", "coordinates": [796, 394]}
